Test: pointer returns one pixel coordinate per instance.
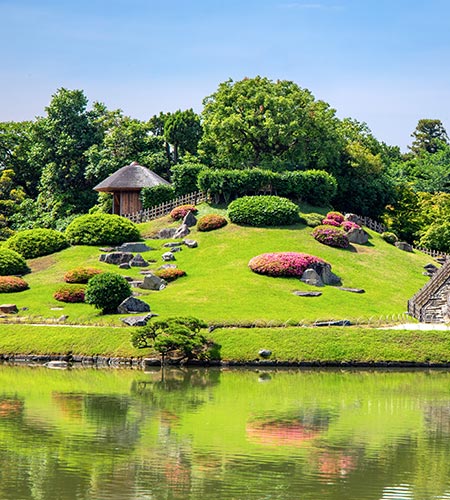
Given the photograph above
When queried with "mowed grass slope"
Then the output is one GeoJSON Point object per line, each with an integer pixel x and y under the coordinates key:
{"type": "Point", "coordinates": [219, 286]}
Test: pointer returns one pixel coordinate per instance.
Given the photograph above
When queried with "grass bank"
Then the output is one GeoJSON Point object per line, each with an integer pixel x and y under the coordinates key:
{"type": "Point", "coordinates": [290, 345]}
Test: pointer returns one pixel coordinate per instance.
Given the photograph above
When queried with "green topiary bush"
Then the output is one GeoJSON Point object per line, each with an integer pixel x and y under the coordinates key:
{"type": "Point", "coordinates": [106, 291]}
{"type": "Point", "coordinates": [70, 293]}
{"type": "Point", "coordinates": [312, 219]}
{"type": "Point", "coordinates": [210, 222]}
{"type": "Point", "coordinates": [12, 262]}
{"type": "Point", "coordinates": [33, 243]}
{"type": "Point", "coordinates": [331, 236]}
{"type": "Point", "coordinates": [263, 211]}
{"type": "Point", "coordinates": [390, 238]}
{"type": "Point", "coordinates": [11, 284]}
{"type": "Point", "coordinates": [101, 229]}
{"type": "Point", "coordinates": [81, 274]}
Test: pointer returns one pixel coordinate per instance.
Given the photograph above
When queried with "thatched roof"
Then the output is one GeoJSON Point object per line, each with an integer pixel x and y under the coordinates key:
{"type": "Point", "coordinates": [132, 177]}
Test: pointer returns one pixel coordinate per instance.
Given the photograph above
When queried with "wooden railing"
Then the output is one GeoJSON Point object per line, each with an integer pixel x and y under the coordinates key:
{"type": "Point", "coordinates": [165, 208]}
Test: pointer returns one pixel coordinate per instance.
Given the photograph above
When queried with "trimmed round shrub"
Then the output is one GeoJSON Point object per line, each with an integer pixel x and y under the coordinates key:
{"type": "Point", "coordinates": [312, 220]}
{"type": "Point", "coordinates": [283, 263]}
{"type": "Point", "coordinates": [337, 216]}
{"type": "Point", "coordinates": [101, 229]}
{"type": "Point", "coordinates": [331, 236]}
{"type": "Point", "coordinates": [210, 222]}
{"type": "Point", "coordinates": [106, 291]}
{"type": "Point", "coordinates": [81, 274]}
{"type": "Point", "coordinates": [331, 222]}
{"type": "Point", "coordinates": [180, 212]}
{"type": "Point", "coordinates": [12, 262]}
{"type": "Point", "coordinates": [70, 293]}
{"type": "Point", "coordinates": [170, 274]}
{"type": "Point", "coordinates": [348, 224]}
{"type": "Point", "coordinates": [33, 243]}
{"type": "Point", "coordinates": [390, 238]}
{"type": "Point", "coordinates": [263, 211]}
{"type": "Point", "coordinates": [11, 284]}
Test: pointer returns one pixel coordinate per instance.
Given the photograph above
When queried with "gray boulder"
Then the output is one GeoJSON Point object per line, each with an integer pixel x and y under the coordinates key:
{"type": "Point", "coordinates": [310, 277]}
{"type": "Point", "coordinates": [152, 282]}
{"type": "Point", "coordinates": [402, 245]}
{"type": "Point", "coordinates": [116, 258]}
{"type": "Point", "coordinates": [323, 269]}
{"type": "Point", "coordinates": [138, 261]}
{"type": "Point", "coordinates": [190, 219]}
{"type": "Point", "coordinates": [133, 305]}
{"type": "Point", "coordinates": [176, 249]}
{"type": "Point", "coordinates": [168, 256]}
{"type": "Point", "coordinates": [265, 353]}
{"type": "Point", "coordinates": [190, 243]}
{"type": "Point", "coordinates": [125, 265]}
{"type": "Point", "coordinates": [354, 218]}
{"type": "Point", "coordinates": [181, 232]}
{"type": "Point", "coordinates": [134, 247]}
{"type": "Point", "coordinates": [172, 244]}
{"type": "Point", "coordinates": [358, 236]}
{"type": "Point", "coordinates": [166, 233]}
{"type": "Point", "coordinates": [137, 320]}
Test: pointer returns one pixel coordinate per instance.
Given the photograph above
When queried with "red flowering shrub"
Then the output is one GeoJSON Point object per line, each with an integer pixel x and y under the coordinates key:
{"type": "Point", "coordinates": [70, 293]}
{"type": "Point", "coordinates": [211, 222]}
{"type": "Point", "coordinates": [347, 225]}
{"type": "Point", "coordinates": [180, 212]}
{"type": "Point", "coordinates": [282, 263]}
{"type": "Point", "coordinates": [10, 284]}
{"type": "Point", "coordinates": [170, 274]}
{"type": "Point", "coordinates": [80, 274]}
{"type": "Point", "coordinates": [331, 222]}
{"type": "Point", "coordinates": [337, 216]}
{"type": "Point", "coordinates": [331, 236]}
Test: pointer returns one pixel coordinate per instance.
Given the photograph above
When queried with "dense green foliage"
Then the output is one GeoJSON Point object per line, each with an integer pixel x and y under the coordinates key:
{"type": "Point", "coordinates": [11, 284]}
{"type": "Point", "coordinates": [389, 237]}
{"type": "Point", "coordinates": [70, 293]}
{"type": "Point", "coordinates": [185, 177]}
{"type": "Point", "coordinates": [153, 196]}
{"type": "Point", "coordinates": [311, 219]}
{"type": "Point", "coordinates": [106, 291]}
{"type": "Point", "coordinates": [81, 274]}
{"type": "Point", "coordinates": [34, 243]}
{"type": "Point", "coordinates": [263, 211]}
{"type": "Point", "coordinates": [12, 262]}
{"type": "Point", "coordinates": [437, 237]}
{"type": "Point", "coordinates": [210, 222]}
{"type": "Point", "coordinates": [101, 229]}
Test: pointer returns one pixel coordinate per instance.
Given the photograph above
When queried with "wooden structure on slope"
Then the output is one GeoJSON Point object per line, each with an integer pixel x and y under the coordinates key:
{"type": "Point", "coordinates": [431, 304]}
{"type": "Point", "coordinates": [126, 184]}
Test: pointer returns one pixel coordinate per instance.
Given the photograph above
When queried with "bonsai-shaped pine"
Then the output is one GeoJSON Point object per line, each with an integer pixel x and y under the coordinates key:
{"type": "Point", "coordinates": [106, 291]}
{"type": "Point", "coordinates": [174, 335]}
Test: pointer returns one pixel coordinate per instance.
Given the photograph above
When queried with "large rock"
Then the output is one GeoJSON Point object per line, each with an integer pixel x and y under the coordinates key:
{"type": "Point", "coordinates": [116, 258]}
{"type": "Point", "coordinates": [168, 256]}
{"type": "Point", "coordinates": [152, 282]}
{"type": "Point", "coordinates": [134, 247]}
{"type": "Point", "coordinates": [323, 269]}
{"type": "Point", "coordinates": [190, 243]}
{"type": "Point", "coordinates": [137, 320]}
{"type": "Point", "coordinates": [354, 218]}
{"type": "Point", "coordinates": [358, 236]}
{"type": "Point", "coordinates": [166, 233]}
{"type": "Point", "coordinates": [133, 305]}
{"type": "Point", "coordinates": [8, 309]}
{"type": "Point", "coordinates": [190, 219]}
{"type": "Point", "coordinates": [402, 245]}
{"type": "Point", "coordinates": [181, 232]}
{"type": "Point", "coordinates": [310, 277]}
{"type": "Point", "coordinates": [138, 261]}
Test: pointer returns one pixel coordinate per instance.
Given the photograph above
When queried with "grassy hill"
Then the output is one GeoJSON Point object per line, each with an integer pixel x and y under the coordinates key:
{"type": "Point", "coordinates": [219, 287]}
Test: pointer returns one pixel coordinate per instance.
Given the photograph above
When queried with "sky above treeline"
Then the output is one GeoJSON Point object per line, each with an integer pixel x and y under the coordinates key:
{"type": "Point", "coordinates": [384, 62]}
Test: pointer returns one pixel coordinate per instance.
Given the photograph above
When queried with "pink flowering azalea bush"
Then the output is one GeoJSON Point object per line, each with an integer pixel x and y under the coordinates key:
{"type": "Point", "coordinates": [70, 293]}
{"type": "Point", "coordinates": [181, 211]}
{"type": "Point", "coordinates": [10, 284]}
{"type": "Point", "coordinates": [331, 222]}
{"type": "Point", "coordinates": [347, 225]}
{"type": "Point", "coordinates": [336, 216]}
{"type": "Point", "coordinates": [331, 236]}
{"type": "Point", "coordinates": [283, 263]}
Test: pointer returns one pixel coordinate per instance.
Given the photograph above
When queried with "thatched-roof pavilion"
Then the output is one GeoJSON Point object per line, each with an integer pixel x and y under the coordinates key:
{"type": "Point", "coordinates": [126, 184]}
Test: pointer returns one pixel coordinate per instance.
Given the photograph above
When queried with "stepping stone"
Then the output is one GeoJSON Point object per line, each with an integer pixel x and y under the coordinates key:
{"type": "Point", "coordinates": [190, 243]}
{"type": "Point", "coordinates": [135, 247]}
{"type": "Point", "coordinates": [172, 244]}
{"type": "Point", "coordinates": [137, 320]}
{"type": "Point", "coordinates": [307, 294]}
{"type": "Point", "coordinates": [343, 322]}
{"type": "Point", "coordinates": [352, 290]}
{"type": "Point", "coordinates": [9, 308]}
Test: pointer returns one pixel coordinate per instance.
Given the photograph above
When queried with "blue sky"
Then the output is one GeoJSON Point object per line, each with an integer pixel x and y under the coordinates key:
{"type": "Point", "coordinates": [383, 62]}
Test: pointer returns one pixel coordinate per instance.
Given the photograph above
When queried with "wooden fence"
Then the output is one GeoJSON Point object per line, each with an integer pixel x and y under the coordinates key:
{"type": "Point", "coordinates": [165, 208]}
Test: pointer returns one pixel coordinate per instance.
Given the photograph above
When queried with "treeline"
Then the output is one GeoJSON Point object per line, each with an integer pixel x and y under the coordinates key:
{"type": "Point", "coordinates": [253, 136]}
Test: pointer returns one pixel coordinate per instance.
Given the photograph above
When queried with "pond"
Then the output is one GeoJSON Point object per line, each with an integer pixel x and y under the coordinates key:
{"type": "Point", "coordinates": [224, 434]}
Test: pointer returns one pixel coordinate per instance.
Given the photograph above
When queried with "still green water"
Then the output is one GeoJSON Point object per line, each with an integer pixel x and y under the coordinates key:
{"type": "Point", "coordinates": [224, 434]}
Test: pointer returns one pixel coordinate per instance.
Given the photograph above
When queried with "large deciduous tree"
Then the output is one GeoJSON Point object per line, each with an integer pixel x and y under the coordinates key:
{"type": "Point", "coordinates": [278, 125]}
{"type": "Point", "coordinates": [429, 136]}
{"type": "Point", "coordinates": [182, 130]}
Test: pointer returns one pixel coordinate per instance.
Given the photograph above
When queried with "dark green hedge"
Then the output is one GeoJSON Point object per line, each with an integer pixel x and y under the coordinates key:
{"type": "Point", "coordinates": [263, 211]}
{"type": "Point", "coordinates": [33, 243]}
